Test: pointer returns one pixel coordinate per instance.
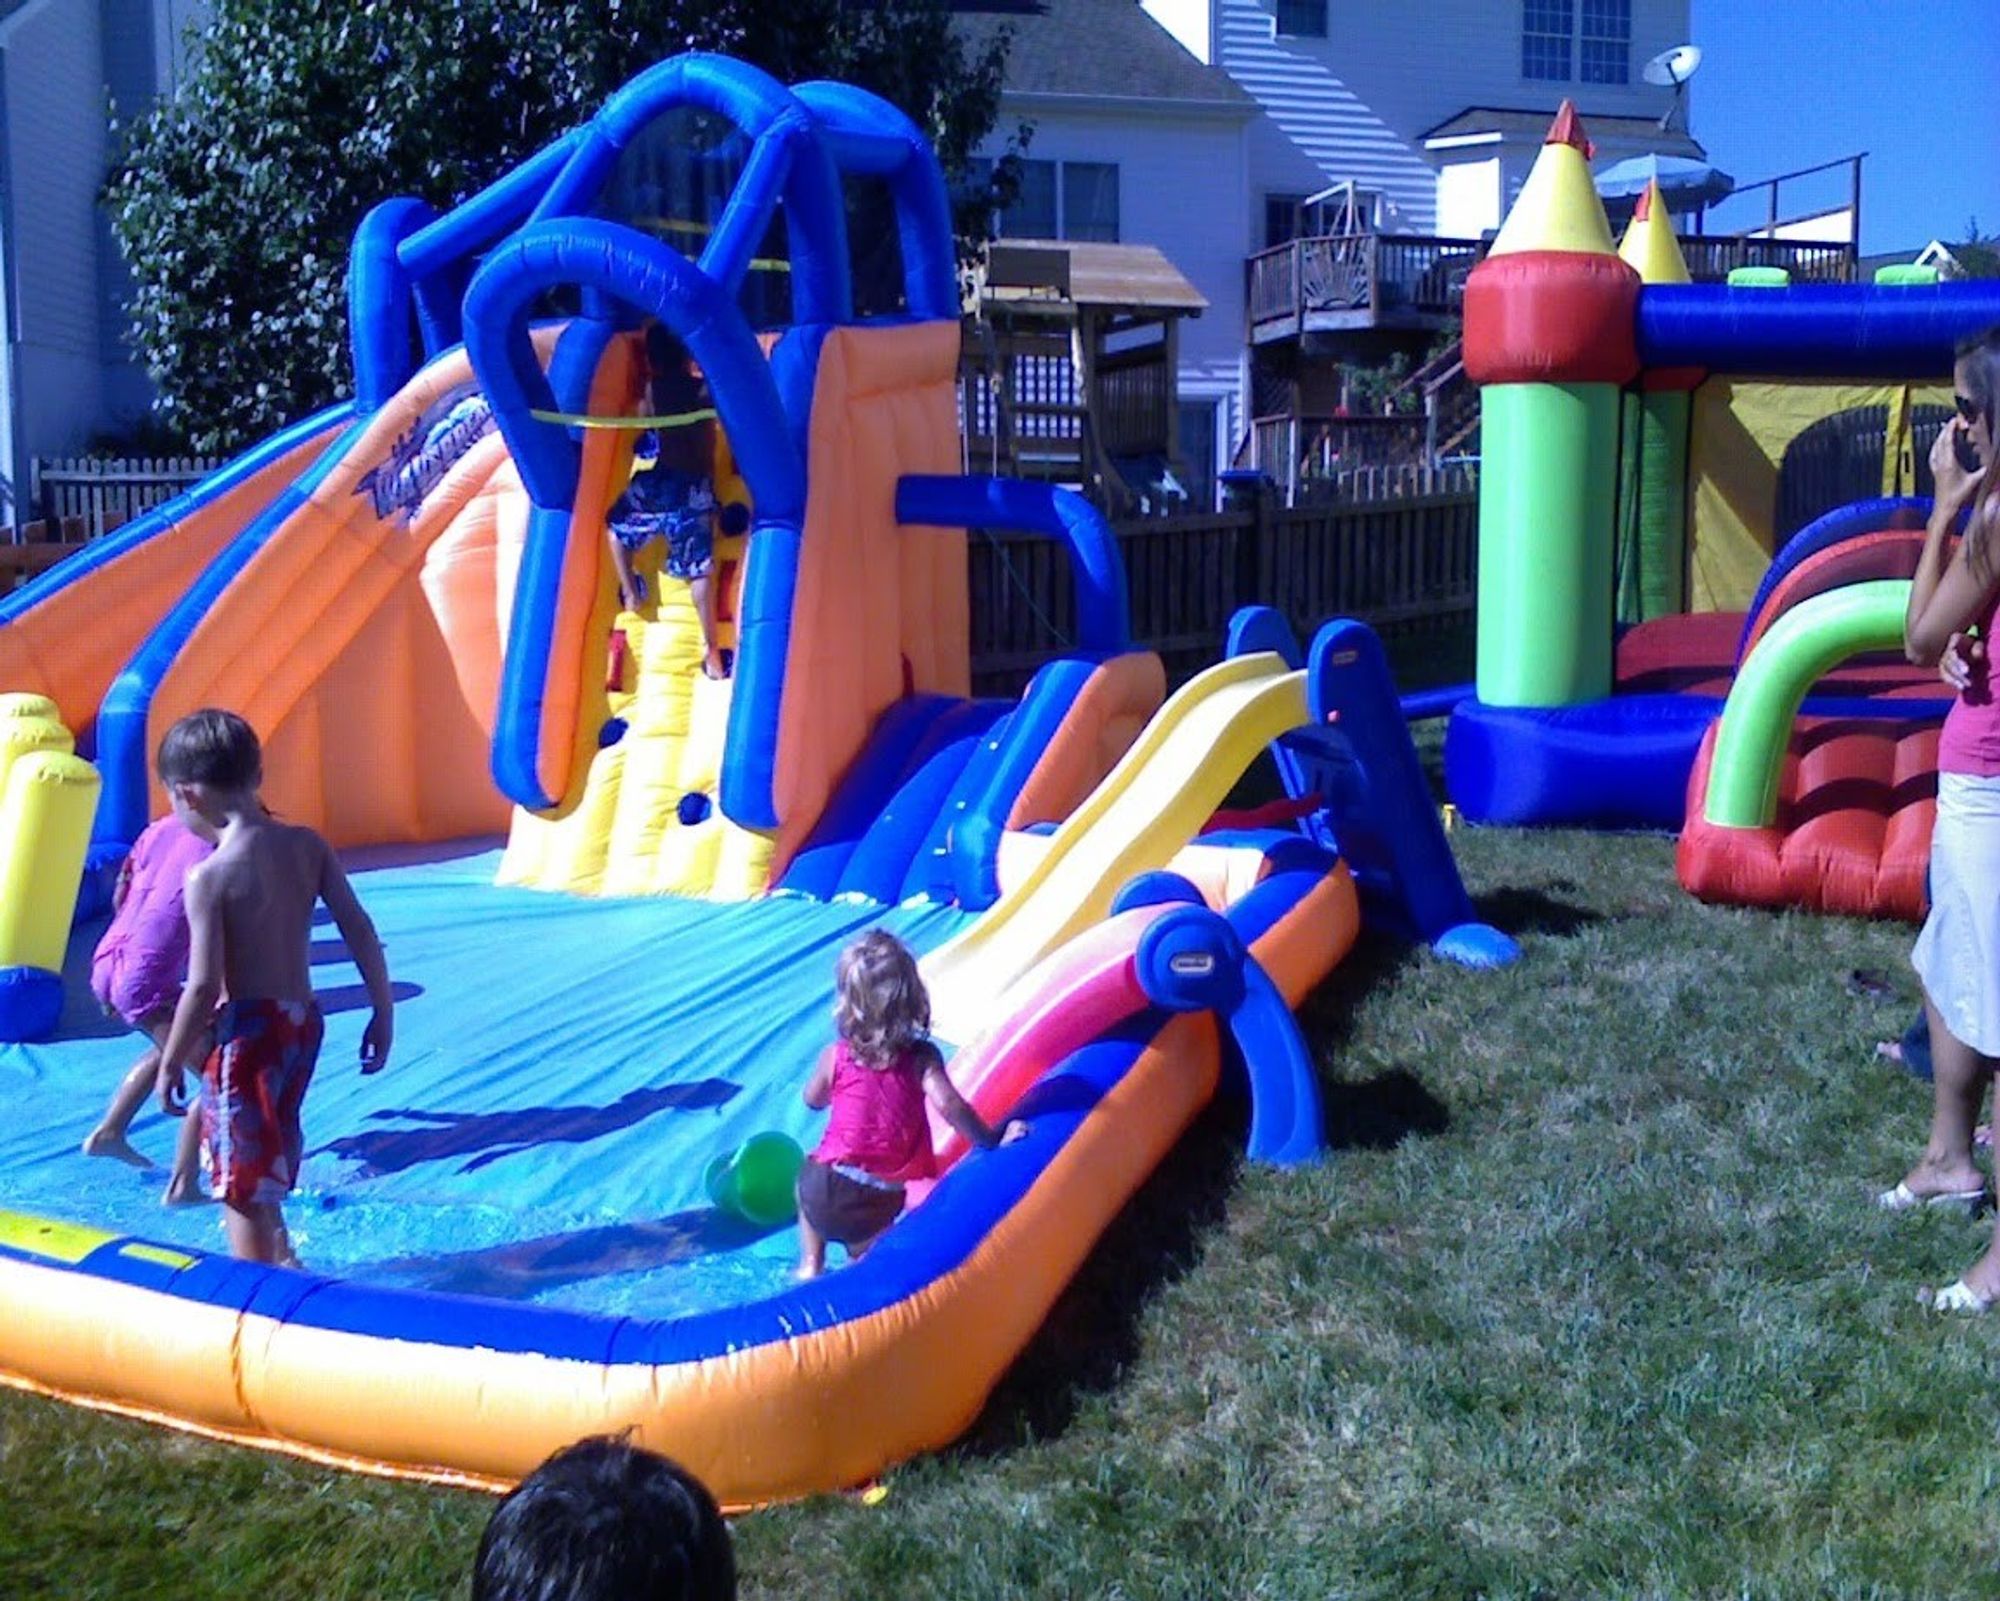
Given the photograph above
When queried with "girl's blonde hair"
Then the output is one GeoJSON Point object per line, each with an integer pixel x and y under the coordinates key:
{"type": "Point", "coordinates": [880, 1005]}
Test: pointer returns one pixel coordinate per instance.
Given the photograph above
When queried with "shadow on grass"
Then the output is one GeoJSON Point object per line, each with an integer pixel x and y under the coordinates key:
{"type": "Point", "coordinates": [1091, 1335]}
{"type": "Point", "coordinates": [1530, 911]}
{"type": "Point", "coordinates": [1371, 1114]}
{"type": "Point", "coordinates": [1379, 1113]}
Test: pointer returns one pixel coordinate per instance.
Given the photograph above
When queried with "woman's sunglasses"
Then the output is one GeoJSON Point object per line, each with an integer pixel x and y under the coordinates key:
{"type": "Point", "coordinates": [1968, 408]}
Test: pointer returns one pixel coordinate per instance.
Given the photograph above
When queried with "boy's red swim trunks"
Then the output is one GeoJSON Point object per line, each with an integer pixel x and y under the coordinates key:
{"type": "Point", "coordinates": [252, 1088]}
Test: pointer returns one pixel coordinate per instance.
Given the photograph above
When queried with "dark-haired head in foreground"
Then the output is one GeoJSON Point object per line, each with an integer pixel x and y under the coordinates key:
{"type": "Point", "coordinates": [603, 1519]}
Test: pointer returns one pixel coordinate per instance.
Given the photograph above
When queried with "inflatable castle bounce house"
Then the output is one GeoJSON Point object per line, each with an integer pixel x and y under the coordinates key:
{"type": "Point", "coordinates": [1688, 618]}
{"type": "Point", "coordinates": [553, 1215]}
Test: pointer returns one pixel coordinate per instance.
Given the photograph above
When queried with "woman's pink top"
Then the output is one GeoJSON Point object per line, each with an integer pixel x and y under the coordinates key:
{"type": "Point", "coordinates": [878, 1122]}
{"type": "Point", "coordinates": [142, 959]}
{"type": "Point", "coordinates": [1970, 742]}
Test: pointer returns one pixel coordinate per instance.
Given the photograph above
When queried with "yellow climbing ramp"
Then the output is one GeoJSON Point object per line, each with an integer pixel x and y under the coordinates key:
{"type": "Point", "coordinates": [645, 820]}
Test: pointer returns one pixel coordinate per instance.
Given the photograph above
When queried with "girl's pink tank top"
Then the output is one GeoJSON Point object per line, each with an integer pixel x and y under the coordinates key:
{"type": "Point", "coordinates": [878, 1122]}
{"type": "Point", "coordinates": [1970, 742]}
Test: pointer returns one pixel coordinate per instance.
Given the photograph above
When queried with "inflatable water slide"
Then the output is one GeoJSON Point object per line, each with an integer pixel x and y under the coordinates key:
{"type": "Point", "coordinates": [1700, 508]}
{"type": "Point", "coordinates": [540, 1223]}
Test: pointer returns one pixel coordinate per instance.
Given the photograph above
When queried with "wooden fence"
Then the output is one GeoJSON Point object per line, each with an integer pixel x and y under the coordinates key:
{"type": "Point", "coordinates": [107, 493]}
{"type": "Point", "coordinates": [37, 547]}
{"type": "Point", "coordinates": [1407, 566]}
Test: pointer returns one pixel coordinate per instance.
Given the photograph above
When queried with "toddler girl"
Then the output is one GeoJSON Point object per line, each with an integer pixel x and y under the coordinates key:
{"type": "Point", "coordinates": [136, 975]}
{"type": "Point", "coordinates": [877, 1078]}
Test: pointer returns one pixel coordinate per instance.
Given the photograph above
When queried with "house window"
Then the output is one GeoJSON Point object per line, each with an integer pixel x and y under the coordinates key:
{"type": "Point", "coordinates": [1033, 213]}
{"type": "Point", "coordinates": [1301, 19]}
{"type": "Point", "coordinates": [1090, 201]}
{"type": "Point", "coordinates": [1195, 433]}
{"type": "Point", "coordinates": [1057, 200]}
{"type": "Point", "coordinates": [1546, 30]}
{"type": "Point", "coordinates": [1605, 50]}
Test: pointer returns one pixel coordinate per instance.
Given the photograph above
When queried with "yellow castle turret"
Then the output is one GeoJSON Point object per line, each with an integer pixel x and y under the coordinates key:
{"type": "Point", "coordinates": [1649, 247]}
{"type": "Point", "coordinates": [1558, 208]}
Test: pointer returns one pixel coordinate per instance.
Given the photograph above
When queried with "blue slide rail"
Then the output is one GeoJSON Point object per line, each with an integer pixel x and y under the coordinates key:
{"type": "Point", "coordinates": [1356, 757]}
{"type": "Point", "coordinates": [124, 752]}
{"type": "Point", "coordinates": [101, 553]}
{"type": "Point", "coordinates": [892, 860]}
{"type": "Point", "coordinates": [974, 842]}
{"type": "Point", "coordinates": [1103, 614]}
{"type": "Point", "coordinates": [922, 810]}
{"type": "Point", "coordinates": [1192, 959]}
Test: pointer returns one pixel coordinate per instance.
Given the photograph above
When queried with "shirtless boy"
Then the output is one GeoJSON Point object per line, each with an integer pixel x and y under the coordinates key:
{"type": "Point", "coordinates": [249, 910]}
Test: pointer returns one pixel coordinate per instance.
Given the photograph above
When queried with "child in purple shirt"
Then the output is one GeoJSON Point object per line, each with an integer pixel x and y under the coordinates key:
{"type": "Point", "coordinates": [136, 975]}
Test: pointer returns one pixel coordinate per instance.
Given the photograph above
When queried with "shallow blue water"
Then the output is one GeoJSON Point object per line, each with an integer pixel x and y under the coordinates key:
{"type": "Point", "coordinates": [563, 1072]}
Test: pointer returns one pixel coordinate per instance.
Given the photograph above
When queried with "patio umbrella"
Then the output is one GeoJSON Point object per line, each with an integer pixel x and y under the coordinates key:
{"type": "Point", "coordinates": [1685, 184]}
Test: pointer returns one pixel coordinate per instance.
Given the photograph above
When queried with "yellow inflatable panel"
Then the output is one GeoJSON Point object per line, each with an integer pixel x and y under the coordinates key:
{"type": "Point", "coordinates": [643, 818]}
{"type": "Point", "coordinates": [20, 704]}
{"type": "Point", "coordinates": [48, 801]}
{"type": "Point", "coordinates": [1168, 784]}
{"type": "Point", "coordinates": [46, 809]}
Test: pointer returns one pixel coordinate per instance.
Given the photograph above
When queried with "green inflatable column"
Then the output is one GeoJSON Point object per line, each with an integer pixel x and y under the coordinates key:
{"type": "Point", "coordinates": [1547, 489]}
{"type": "Point", "coordinates": [1663, 442]}
{"type": "Point", "coordinates": [1652, 504]}
{"type": "Point", "coordinates": [1631, 509]}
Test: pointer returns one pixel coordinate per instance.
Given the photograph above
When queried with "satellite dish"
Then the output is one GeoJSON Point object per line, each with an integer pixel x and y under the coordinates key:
{"type": "Point", "coordinates": [1673, 66]}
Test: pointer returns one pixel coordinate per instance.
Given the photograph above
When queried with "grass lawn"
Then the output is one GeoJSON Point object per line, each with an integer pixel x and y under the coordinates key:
{"type": "Point", "coordinates": [1590, 1302]}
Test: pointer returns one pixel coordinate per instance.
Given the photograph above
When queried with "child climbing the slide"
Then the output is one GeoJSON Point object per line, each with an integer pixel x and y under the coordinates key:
{"type": "Point", "coordinates": [876, 1077]}
{"type": "Point", "coordinates": [250, 908]}
{"type": "Point", "coordinates": [136, 976]}
{"type": "Point", "coordinates": [672, 492]}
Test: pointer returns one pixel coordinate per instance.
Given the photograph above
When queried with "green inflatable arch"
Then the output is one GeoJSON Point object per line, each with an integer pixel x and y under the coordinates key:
{"type": "Point", "coordinates": [1807, 642]}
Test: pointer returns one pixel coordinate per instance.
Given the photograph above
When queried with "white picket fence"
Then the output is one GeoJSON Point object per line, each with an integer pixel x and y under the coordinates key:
{"type": "Point", "coordinates": [106, 492]}
{"type": "Point", "coordinates": [1354, 485]}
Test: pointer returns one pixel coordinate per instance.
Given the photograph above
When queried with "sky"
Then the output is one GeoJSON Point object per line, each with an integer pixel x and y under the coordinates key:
{"type": "Point", "coordinates": [1790, 83]}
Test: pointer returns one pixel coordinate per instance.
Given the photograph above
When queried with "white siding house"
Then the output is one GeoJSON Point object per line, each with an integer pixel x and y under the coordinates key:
{"type": "Point", "coordinates": [1135, 141]}
{"type": "Point", "coordinates": [1218, 120]}
{"type": "Point", "coordinates": [65, 373]}
{"type": "Point", "coordinates": [1385, 93]}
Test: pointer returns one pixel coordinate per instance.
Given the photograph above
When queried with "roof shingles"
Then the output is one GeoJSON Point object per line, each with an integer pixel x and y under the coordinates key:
{"type": "Point", "coordinates": [1097, 49]}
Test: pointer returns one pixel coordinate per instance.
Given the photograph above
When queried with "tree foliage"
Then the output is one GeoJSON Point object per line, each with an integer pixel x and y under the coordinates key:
{"type": "Point", "coordinates": [236, 200]}
{"type": "Point", "coordinates": [1978, 256]}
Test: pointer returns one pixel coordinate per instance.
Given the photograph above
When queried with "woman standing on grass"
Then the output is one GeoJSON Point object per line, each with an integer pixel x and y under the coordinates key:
{"type": "Point", "coordinates": [1958, 953]}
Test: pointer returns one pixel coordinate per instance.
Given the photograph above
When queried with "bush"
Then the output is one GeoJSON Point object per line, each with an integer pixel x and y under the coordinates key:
{"type": "Point", "coordinates": [236, 201]}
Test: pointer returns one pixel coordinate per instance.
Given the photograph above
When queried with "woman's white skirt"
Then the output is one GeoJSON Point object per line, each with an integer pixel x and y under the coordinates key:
{"type": "Point", "coordinates": [1958, 952]}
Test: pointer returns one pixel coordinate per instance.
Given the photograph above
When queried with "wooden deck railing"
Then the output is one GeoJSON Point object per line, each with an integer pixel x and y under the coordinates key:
{"type": "Point", "coordinates": [1385, 275]}
{"type": "Point", "coordinates": [1711, 260]}
{"type": "Point", "coordinates": [1406, 565]}
{"type": "Point", "coordinates": [1392, 274]}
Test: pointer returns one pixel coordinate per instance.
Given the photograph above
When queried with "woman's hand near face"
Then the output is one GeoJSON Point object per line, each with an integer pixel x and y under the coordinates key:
{"type": "Point", "coordinates": [1955, 486]}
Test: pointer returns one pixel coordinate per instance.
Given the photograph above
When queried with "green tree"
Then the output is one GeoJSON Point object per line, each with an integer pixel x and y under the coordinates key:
{"type": "Point", "coordinates": [236, 200]}
{"type": "Point", "coordinates": [1979, 255]}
